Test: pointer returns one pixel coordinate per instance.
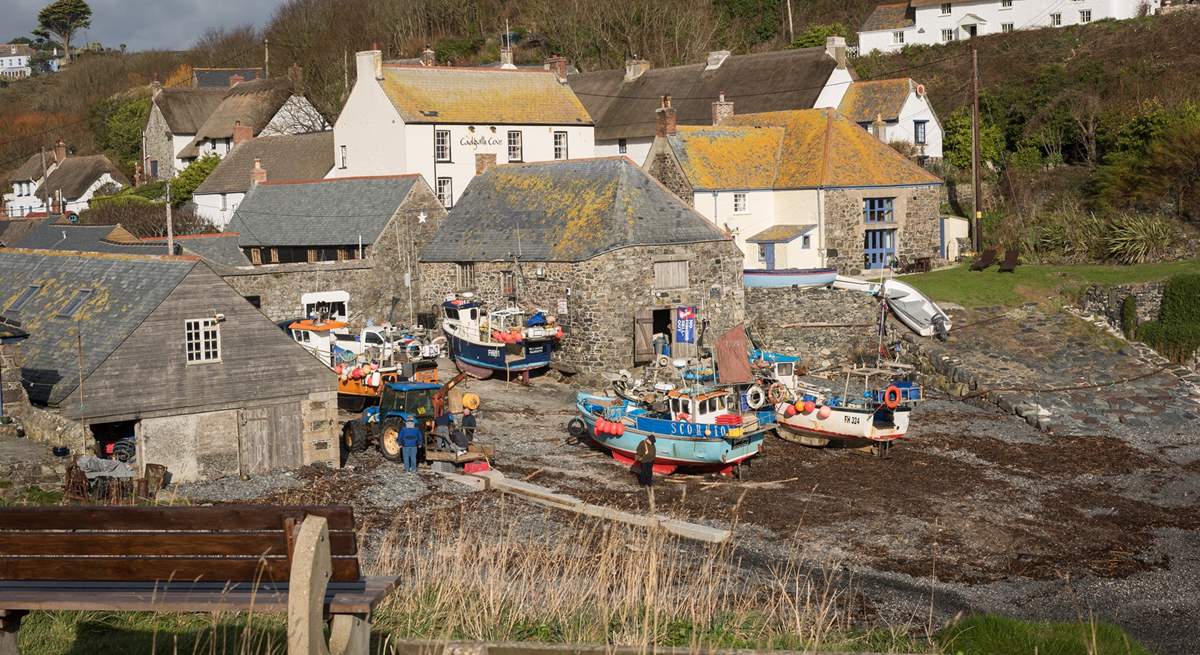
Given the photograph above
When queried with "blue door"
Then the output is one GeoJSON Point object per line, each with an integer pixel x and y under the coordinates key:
{"type": "Point", "coordinates": [879, 248]}
{"type": "Point", "coordinates": [766, 252]}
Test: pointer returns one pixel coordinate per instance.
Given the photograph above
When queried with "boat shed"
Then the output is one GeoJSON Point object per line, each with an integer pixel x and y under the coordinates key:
{"type": "Point", "coordinates": [600, 244]}
{"type": "Point", "coordinates": [162, 350]}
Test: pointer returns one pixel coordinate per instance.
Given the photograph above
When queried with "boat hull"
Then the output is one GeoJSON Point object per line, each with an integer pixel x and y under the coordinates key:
{"type": "Point", "coordinates": [789, 277]}
{"type": "Point", "coordinates": [482, 359]}
{"type": "Point", "coordinates": [678, 444]}
{"type": "Point", "coordinates": [845, 425]}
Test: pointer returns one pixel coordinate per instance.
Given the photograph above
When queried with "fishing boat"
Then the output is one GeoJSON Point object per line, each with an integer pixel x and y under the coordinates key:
{"type": "Point", "coordinates": [789, 277]}
{"type": "Point", "coordinates": [910, 306]}
{"type": "Point", "coordinates": [508, 340]}
{"type": "Point", "coordinates": [697, 428]}
{"type": "Point", "coordinates": [873, 409]}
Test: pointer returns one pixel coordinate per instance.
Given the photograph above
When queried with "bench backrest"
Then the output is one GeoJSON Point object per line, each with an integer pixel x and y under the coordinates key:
{"type": "Point", "coordinates": [224, 543]}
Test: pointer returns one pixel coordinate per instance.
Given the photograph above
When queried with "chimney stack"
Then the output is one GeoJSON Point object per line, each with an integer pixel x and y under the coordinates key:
{"type": "Point", "coordinates": [235, 80]}
{"type": "Point", "coordinates": [506, 58]}
{"type": "Point", "coordinates": [664, 118]}
{"type": "Point", "coordinates": [259, 174]}
{"type": "Point", "coordinates": [557, 64]}
{"type": "Point", "coordinates": [60, 151]}
{"type": "Point", "coordinates": [155, 88]}
{"type": "Point", "coordinates": [428, 57]}
{"type": "Point", "coordinates": [635, 67]}
{"type": "Point", "coordinates": [835, 46]}
{"type": "Point", "coordinates": [722, 110]}
{"type": "Point", "coordinates": [715, 59]}
{"type": "Point", "coordinates": [879, 127]}
{"type": "Point", "coordinates": [368, 64]}
{"type": "Point", "coordinates": [295, 75]}
{"type": "Point", "coordinates": [241, 133]}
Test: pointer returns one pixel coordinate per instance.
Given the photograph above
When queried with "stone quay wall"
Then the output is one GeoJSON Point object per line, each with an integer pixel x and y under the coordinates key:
{"type": "Point", "coordinates": [777, 318]}
{"type": "Point", "coordinates": [1106, 301]}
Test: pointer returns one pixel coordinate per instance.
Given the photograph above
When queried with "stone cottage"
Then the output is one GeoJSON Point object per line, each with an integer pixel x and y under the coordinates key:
{"type": "Point", "coordinates": [801, 189]}
{"type": "Point", "coordinates": [176, 114]}
{"type": "Point", "coordinates": [349, 241]}
{"type": "Point", "coordinates": [160, 350]}
{"type": "Point", "coordinates": [600, 244]}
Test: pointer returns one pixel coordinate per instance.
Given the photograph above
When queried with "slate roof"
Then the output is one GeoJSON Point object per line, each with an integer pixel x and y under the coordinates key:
{"type": "Point", "coordinates": [866, 100]}
{"type": "Point", "coordinates": [781, 233]}
{"type": "Point", "coordinates": [219, 77]}
{"type": "Point", "coordinates": [759, 82]}
{"type": "Point", "coordinates": [76, 174]}
{"type": "Point", "coordinates": [185, 110]}
{"type": "Point", "coordinates": [48, 234]}
{"type": "Point", "coordinates": [12, 231]}
{"type": "Point", "coordinates": [892, 16]}
{"type": "Point", "coordinates": [220, 248]}
{"type": "Point", "coordinates": [253, 103]}
{"type": "Point", "coordinates": [802, 149]}
{"type": "Point", "coordinates": [15, 50]}
{"type": "Point", "coordinates": [125, 290]}
{"type": "Point", "coordinates": [565, 211]}
{"type": "Point", "coordinates": [32, 168]}
{"type": "Point", "coordinates": [333, 212]}
{"type": "Point", "coordinates": [443, 94]}
{"type": "Point", "coordinates": [285, 157]}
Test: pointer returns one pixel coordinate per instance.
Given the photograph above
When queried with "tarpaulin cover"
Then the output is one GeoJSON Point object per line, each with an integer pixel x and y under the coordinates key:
{"type": "Point", "coordinates": [733, 357]}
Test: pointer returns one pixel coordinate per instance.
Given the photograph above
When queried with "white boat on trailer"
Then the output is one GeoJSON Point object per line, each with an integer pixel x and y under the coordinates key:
{"type": "Point", "coordinates": [913, 308]}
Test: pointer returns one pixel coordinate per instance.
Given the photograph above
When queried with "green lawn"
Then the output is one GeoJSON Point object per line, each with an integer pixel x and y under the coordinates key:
{"type": "Point", "coordinates": [1035, 282]}
{"type": "Point", "coordinates": [994, 635]}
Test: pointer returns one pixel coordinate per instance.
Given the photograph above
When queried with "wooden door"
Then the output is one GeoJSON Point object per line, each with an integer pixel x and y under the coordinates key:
{"type": "Point", "coordinates": [643, 336]}
{"type": "Point", "coordinates": [286, 436]}
{"type": "Point", "coordinates": [270, 438]}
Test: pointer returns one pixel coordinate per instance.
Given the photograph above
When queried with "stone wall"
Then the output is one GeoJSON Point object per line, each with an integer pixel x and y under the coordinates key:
{"type": "Point", "coordinates": [318, 420]}
{"type": "Point", "coordinates": [916, 212]}
{"type": "Point", "coordinates": [604, 294]}
{"type": "Point", "coordinates": [376, 284]}
{"type": "Point", "coordinates": [1106, 301]}
{"type": "Point", "coordinates": [661, 165]}
{"type": "Point", "coordinates": [774, 315]}
{"type": "Point", "coordinates": [159, 144]}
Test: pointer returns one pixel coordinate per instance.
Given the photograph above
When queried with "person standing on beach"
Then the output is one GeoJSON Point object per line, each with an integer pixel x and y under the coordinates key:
{"type": "Point", "coordinates": [410, 440]}
{"type": "Point", "coordinates": [644, 458]}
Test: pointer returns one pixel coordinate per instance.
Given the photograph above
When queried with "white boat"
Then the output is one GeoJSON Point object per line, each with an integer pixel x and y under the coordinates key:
{"type": "Point", "coordinates": [913, 308]}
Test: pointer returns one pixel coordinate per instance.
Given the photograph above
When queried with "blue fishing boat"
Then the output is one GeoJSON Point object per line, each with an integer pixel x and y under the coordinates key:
{"type": "Point", "coordinates": [698, 428]}
{"type": "Point", "coordinates": [789, 277]}
{"type": "Point", "coordinates": [508, 340]}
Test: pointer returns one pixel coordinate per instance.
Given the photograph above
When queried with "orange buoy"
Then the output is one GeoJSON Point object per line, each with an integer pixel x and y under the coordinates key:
{"type": "Point", "coordinates": [809, 406]}
{"type": "Point", "coordinates": [824, 413]}
{"type": "Point", "coordinates": [891, 397]}
{"type": "Point", "coordinates": [789, 410]}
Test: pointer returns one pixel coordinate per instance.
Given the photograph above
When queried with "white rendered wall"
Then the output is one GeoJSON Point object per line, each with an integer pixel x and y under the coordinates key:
{"type": "Point", "coordinates": [635, 149]}
{"type": "Point", "coordinates": [210, 205]}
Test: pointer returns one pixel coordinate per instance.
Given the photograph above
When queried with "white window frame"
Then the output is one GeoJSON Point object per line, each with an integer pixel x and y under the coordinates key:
{"type": "Point", "coordinates": [560, 149]}
{"type": "Point", "coordinates": [342, 152]}
{"type": "Point", "coordinates": [441, 146]}
{"type": "Point", "coordinates": [445, 195]}
{"type": "Point", "coordinates": [740, 206]}
{"type": "Point", "coordinates": [1085, 15]}
{"type": "Point", "coordinates": [1006, 4]}
{"type": "Point", "coordinates": [1056, 19]}
{"type": "Point", "coordinates": [898, 37]}
{"type": "Point", "coordinates": [947, 7]}
{"type": "Point", "coordinates": [515, 145]}
{"type": "Point", "coordinates": [205, 335]}
{"type": "Point", "coordinates": [806, 242]}
{"type": "Point", "coordinates": [1006, 28]}
{"type": "Point", "coordinates": [622, 146]}
{"type": "Point", "coordinates": [920, 132]}
{"type": "Point", "coordinates": [947, 35]}
{"type": "Point", "coordinates": [466, 276]}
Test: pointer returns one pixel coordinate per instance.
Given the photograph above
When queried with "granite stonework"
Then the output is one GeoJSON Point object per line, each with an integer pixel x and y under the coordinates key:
{"type": "Point", "coordinates": [33, 422]}
{"type": "Point", "coordinates": [1107, 301]}
{"type": "Point", "coordinates": [378, 284]}
{"type": "Point", "coordinates": [785, 320]}
{"type": "Point", "coordinates": [602, 295]}
{"type": "Point", "coordinates": [666, 169]}
{"type": "Point", "coordinates": [158, 143]}
{"type": "Point", "coordinates": [916, 224]}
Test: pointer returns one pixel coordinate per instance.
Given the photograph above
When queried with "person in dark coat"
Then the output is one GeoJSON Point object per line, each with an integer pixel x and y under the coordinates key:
{"type": "Point", "coordinates": [442, 426]}
{"type": "Point", "coordinates": [410, 440]}
{"type": "Point", "coordinates": [468, 424]}
{"type": "Point", "coordinates": [644, 458]}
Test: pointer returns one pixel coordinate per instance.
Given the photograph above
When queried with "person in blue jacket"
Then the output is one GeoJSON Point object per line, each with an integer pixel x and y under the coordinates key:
{"type": "Point", "coordinates": [410, 440]}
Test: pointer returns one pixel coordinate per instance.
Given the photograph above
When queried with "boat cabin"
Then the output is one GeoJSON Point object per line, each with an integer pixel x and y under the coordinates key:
{"type": "Point", "coordinates": [702, 408]}
{"type": "Point", "coordinates": [317, 337]}
{"type": "Point", "coordinates": [782, 367]}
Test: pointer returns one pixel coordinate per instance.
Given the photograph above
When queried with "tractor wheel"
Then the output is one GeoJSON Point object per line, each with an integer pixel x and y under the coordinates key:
{"type": "Point", "coordinates": [354, 436]}
{"type": "Point", "coordinates": [389, 440]}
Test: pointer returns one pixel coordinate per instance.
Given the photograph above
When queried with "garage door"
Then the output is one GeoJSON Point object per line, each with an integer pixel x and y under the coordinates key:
{"type": "Point", "coordinates": [269, 438]}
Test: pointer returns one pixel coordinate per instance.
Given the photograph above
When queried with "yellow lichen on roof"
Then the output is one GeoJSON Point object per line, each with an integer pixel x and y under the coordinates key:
{"type": "Point", "coordinates": [822, 148]}
{"type": "Point", "coordinates": [728, 157]}
{"type": "Point", "coordinates": [465, 95]}
{"type": "Point", "coordinates": [578, 203]}
{"type": "Point", "coordinates": [866, 100]}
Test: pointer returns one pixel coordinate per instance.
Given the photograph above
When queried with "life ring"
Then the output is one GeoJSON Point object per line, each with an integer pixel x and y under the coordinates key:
{"type": "Point", "coordinates": [756, 397]}
{"type": "Point", "coordinates": [776, 393]}
{"type": "Point", "coordinates": [681, 416]}
{"type": "Point", "coordinates": [891, 397]}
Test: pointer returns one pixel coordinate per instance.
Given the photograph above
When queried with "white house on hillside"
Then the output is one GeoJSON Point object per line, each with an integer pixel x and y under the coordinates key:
{"type": "Point", "coordinates": [926, 22]}
{"type": "Point", "coordinates": [58, 182]}
{"type": "Point", "coordinates": [896, 111]}
{"type": "Point", "coordinates": [450, 124]}
{"type": "Point", "coordinates": [14, 60]}
{"type": "Point", "coordinates": [622, 102]}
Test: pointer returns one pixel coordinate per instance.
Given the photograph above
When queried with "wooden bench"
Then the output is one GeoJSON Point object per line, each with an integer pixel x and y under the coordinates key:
{"type": "Point", "coordinates": [231, 558]}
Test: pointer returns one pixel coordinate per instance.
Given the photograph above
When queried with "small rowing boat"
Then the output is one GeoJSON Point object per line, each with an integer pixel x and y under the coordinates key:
{"type": "Point", "coordinates": [789, 277]}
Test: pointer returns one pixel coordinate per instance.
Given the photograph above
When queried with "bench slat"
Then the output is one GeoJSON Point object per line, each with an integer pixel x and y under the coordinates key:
{"type": "Point", "coordinates": [215, 517]}
{"type": "Point", "coordinates": [159, 543]}
{"type": "Point", "coordinates": [150, 569]}
{"type": "Point", "coordinates": [337, 600]}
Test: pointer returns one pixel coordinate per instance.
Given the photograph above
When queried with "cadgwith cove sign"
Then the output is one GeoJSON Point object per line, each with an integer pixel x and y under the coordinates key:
{"type": "Point", "coordinates": [480, 141]}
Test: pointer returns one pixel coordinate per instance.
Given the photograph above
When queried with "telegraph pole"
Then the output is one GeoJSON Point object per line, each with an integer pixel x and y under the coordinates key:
{"type": "Point", "coordinates": [170, 225]}
{"type": "Point", "coordinates": [266, 58]}
{"type": "Point", "coordinates": [977, 219]}
{"type": "Point", "coordinates": [791, 32]}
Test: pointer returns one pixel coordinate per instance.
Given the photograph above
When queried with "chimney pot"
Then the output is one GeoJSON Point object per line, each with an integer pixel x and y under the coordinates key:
{"type": "Point", "coordinates": [835, 47]}
{"type": "Point", "coordinates": [557, 64]}
{"type": "Point", "coordinates": [635, 68]}
{"type": "Point", "coordinates": [60, 151]}
{"type": "Point", "coordinates": [236, 79]}
{"type": "Point", "coordinates": [428, 57]}
{"type": "Point", "coordinates": [721, 109]}
{"type": "Point", "coordinates": [259, 174]}
{"type": "Point", "coordinates": [664, 118]}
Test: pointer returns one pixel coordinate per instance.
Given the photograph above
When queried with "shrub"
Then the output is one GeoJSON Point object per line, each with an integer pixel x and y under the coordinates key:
{"type": "Point", "coordinates": [1181, 300]}
{"type": "Point", "coordinates": [121, 199]}
{"type": "Point", "coordinates": [144, 218]}
{"type": "Point", "coordinates": [454, 49]}
{"type": "Point", "coordinates": [1139, 238]}
{"type": "Point", "coordinates": [1129, 316]}
{"type": "Point", "coordinates": [815, 35]}
{"type": "Point", "coordinates": [1175, 341]}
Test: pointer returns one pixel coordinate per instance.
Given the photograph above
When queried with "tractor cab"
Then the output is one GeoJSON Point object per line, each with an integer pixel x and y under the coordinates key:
{"type": "Point", "coordinates": [405, 400]}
